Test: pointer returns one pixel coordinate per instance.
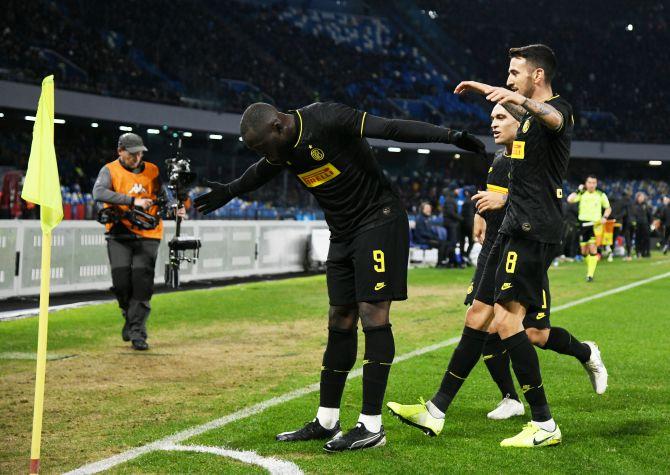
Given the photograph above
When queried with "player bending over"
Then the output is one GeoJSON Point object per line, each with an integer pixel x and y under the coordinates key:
{"type": "Point", "coordinates": [527, 242]}
{"type": "Point", "coordinates": [324, 145]}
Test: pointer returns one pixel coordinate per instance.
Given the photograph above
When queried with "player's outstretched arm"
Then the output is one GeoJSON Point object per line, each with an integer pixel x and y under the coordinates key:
{"type": "Point", "coordinates": [412, 131]}
{"type": "Point", "coordinates": [253, 178]}
{"type": "Point", "coordinates": [515, 103]}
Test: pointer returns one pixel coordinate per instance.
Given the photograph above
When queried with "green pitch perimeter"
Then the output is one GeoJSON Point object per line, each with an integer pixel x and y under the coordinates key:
{"type": "Point", "coordinates": [217, 351]}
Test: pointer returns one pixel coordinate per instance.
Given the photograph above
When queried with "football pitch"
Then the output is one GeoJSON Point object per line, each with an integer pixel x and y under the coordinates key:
{"type": "Point", "coordinates": [248, 357]}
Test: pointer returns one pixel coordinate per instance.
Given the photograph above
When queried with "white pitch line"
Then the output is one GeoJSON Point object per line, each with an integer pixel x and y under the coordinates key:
{"type": "Point", "coordinates": [31, 312]}
{"type": "Point", "coordinates": [174, 439]}
{"type": "Point", "coordinates": [26, 355]}
{"type": "Point", "coordinates": [607, 293]}
{"type": "Point", "coordinates": [273, 465]}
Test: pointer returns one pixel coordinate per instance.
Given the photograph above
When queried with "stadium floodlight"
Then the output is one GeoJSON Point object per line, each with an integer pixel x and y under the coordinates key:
{"type": "Point", "coordinates": [394, 149]}
{"type": "Point", "coordinates": [153, 131]}
{"type": "Point", "coordinates": [629, 27]}
{"type": "Point", "coordinates": [423, 151]}
{"type": "Point", "coordinates": [59, 121]}
{"type": "Point", "coordinates": [655, 163]}
{"type": "Point", "coordinates": [240, 138]}
{"type": "Point", "coordinates": [2, 114]}
{"type": "Point", "coordinates": [215, 137]}
{"type": "Point", "coordinates": [187, 134]}
{"type": "Point", "coordinates": [457, 156]}
{"type": "Point", "coordinates": [125, 128]}
{"type": "Point", "coordinates": [94, 125]}
{"type": "Point", "coordinates": [31, 118]}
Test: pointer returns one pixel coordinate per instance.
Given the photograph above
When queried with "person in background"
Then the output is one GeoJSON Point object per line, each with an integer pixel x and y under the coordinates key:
{"type": "Point", "coordinates": [594, 208]}
{"type": "Point", "coordinates": [467, 221]}
{"type": "Point", "coordinates": [571, 229]}
{"type": "Point", "coordinates": [452, 222]}
{"type": "Point", "coordinates": [621, 213]}
{"type": "Point", "coordinates": [425, 233]}
{"type": "Point", "coordinates": [664, 215]}
{"type": "Point", "coordinates": [125, 183]}
{"type": "Point", "coordinates": [641, 220]}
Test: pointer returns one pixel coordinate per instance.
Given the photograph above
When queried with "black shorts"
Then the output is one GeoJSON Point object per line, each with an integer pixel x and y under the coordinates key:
{"type": "Point", "coordinates": [586, 235]}
{"type": "Point", "coordinates": [370, 267]}
{"type": "Point", "coordinates": [482, 285]}
{"type": "Point", "coordinates": [538, 316]}
{"type": "Point", "coordinates": [521, 275]}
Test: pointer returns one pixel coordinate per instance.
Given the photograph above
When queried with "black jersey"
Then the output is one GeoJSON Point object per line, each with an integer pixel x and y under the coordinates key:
{"type": "Point", "coordinates": [539, 163]}
{"type": "Point", "coordinates": [335, 163]}
{"type": "Point", "coordinates": [497, 181]}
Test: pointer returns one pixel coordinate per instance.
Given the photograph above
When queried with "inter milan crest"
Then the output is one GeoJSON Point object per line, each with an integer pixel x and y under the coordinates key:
{"type": "Point", "coordinates": [317, 154]}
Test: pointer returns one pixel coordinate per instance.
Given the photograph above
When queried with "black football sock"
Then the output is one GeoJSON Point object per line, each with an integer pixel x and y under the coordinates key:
{"type": "Point", "coordinates": [496, 360]}
{"type": "Point", "coordinates": [379, 353]}
{"type": "Point", "coordinates": [527, 369]}
{"type": "Point", "coordinates": [561, 341]}
{"type": "Point", "coordinates": [338, 359]}
{"type": "Point", "coordinates": [463, 359]}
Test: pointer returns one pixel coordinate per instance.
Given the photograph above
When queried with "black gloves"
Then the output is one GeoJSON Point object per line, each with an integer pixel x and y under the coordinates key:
{"type": "Point", "coordinates": [214, 199]}
{"type": "Point", "coordinates": [467, 141]}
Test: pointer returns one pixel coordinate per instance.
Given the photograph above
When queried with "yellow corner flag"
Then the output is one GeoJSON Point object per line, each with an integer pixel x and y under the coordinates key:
{"type": "Point", "coordinates": [42, 187]}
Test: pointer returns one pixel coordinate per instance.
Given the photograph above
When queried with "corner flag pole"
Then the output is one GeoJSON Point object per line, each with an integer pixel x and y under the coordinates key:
{"type": "Point", "coordinates": [45, 277]}
{"type": "Point", "coordinates": [42, 187]}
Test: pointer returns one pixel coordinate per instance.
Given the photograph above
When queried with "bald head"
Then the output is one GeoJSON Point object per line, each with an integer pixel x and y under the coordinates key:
{"type": "Point", "coordinates": [258, 117]}
{"type": "Point", "coordinates": [267, 131]}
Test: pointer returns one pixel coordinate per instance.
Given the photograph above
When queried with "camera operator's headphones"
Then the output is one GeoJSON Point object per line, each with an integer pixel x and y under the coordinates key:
{"type": "Point", "coordinates": [138, 218]}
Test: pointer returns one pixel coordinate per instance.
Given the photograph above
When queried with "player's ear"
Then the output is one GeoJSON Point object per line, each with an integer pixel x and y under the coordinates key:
{"type": "Point", "coordinates": [277, 126]}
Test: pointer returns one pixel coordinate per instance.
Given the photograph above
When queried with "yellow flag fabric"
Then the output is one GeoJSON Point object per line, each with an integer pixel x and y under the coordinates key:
{"type": "Point", "coordinates": [42, 185]}
{"type": "Point", "coordinates": [604, 233]}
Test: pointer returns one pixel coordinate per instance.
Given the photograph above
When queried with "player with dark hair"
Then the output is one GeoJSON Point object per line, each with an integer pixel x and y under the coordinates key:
{"type": "Point", "coordinates": [523, 250]}
{"type": "Point", "coordinates": [594, 208]}
{"type": "Point", "coordinates": [481, 290]}
{"type": "Point", "coordinates": [324, 145]}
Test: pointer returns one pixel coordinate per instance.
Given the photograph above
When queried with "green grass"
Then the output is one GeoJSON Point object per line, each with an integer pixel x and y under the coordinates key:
{"type": "Point", "coordinates": [220, 350]}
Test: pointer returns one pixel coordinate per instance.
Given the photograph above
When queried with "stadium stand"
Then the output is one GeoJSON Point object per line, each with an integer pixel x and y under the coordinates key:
{"type": "Point", "coordinates": [291, 53]}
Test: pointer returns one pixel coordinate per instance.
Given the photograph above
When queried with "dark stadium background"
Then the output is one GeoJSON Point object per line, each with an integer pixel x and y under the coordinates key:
{"type": "Point", "coordinates": [394, 58]}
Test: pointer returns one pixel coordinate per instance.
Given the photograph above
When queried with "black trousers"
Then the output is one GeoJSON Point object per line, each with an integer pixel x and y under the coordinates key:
{"type": "Point", "coordinates": [466, 232]}
{"type": "Point", "coordinates": [627, 233]}
{"type": "Point", "coordinates": [133, 263]}
{"type": "Point", "coordinates": [442, 249]}
{"type": "Point", "coordinates": [642, 244]}
{"type": "Point", "coordinates": [452, 239]}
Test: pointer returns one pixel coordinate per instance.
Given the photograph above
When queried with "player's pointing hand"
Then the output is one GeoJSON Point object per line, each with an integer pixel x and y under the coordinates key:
{"type": "Point", "coordinates": [473, 86]}
{"type": "Point", "coordinates": [218, 196]}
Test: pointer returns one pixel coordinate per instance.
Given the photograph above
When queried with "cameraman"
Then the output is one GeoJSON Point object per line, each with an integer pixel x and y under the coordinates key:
{"type": "Point", "coordinates": [126, 183]}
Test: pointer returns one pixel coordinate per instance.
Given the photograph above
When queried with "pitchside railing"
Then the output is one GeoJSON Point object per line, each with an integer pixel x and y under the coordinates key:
{"type": "Point", "coordinates": [79, 253]}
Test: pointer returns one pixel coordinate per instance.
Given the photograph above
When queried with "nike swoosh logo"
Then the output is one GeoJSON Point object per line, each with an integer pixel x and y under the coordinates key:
{"type": "Point", "coordinates": [540, 315]}
{"type": "Point", "coordinates": [380, 286]}
{"type": "Point", "coordinates": [538, 442]}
